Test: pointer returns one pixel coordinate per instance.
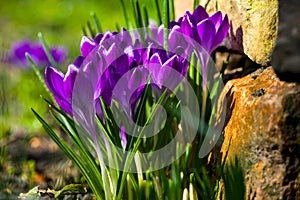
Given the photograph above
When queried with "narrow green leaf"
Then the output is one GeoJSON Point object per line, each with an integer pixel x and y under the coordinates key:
{"type": "Point", "coordinates": [47, 50]}
{"type": "Point", "coordinates": [138, 13]}
{"type": "Point", "coordinates": [96, 22]}
{"type": "Point", "coordinates": [172, 11]}
{"type": "Point", "coordinates": [83, 31]}
{"type": "Point", "coordinates": [159, 18]}
{"type": "Point", "coordinates": [166, 23]}
{"type": "Point", "coordinates": [234, 181]}
{"type": "Point", "coordinates": [146, 17]}
{"type": "Point", "coordinates": [38, 74]}
{"type": "Point", "coordinates": [91, 30]}
{"type": "Point", "coordinates": [134, 13]}
{"type": "Point", "coordinates": [68, 151]}
{"type": "Point", "coordinates": [125, 13]}
{"type": "Point", "coordinates": [118, 28]}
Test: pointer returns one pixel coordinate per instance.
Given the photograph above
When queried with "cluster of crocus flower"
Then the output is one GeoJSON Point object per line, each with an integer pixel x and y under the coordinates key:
{"type": "Point", "coordinates": [114, 54]}
{"type": "Point", "coordinates": [37, 53]}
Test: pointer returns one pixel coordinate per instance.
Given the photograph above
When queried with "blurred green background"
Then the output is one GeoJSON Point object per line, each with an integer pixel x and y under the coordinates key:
{"type": "Point", "coordinates": [61, 23]}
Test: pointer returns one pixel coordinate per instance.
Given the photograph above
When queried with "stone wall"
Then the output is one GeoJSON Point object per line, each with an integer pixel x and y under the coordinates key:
{"type": "Point", "coordinates": [264, 132]}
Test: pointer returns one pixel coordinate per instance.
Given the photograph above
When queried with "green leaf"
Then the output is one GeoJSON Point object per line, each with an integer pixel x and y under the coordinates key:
{"type": "Point", "coordinates": [159, 18]}
{"type": "Point", "coordinates": [234, 181]}
{"type": "Point", "coordinates": [166, 23]}
{"type": "Point", "coordinates": [85, 162]}
{"type": "Point", "coordinates": [96, 22]}
{"type": "Point", "coordinates": [47, 50]}
{"type": "Point", "coordinates": [145, 17]}
{"type": "Point", "coordinates": [70, 189]}
{"type": "Point", "coordinates": [172, 11]}
{"type": "Point", "coordinates": [38, 74]}
{"type": "Point", "coordinates": [125, 13]}
{"type": "Point", "coordinates": [31, 194]}
{"type": "Point", "coordinates": [91, 30]}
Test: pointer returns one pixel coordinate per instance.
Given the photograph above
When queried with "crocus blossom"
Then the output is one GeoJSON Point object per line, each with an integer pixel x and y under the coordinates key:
{"type": "Point", "coordinates": [110, 56]}
{"type": "Point", "coordinates": [117, 56]}
{"type": "Point", "coordinates": [208, 31]}
{"type": "Point", "coordinates": [37, 53]}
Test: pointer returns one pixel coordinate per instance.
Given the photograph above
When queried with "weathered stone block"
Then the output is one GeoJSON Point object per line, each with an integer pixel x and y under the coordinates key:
{"type": "Point", "coordinates": [263, 130]}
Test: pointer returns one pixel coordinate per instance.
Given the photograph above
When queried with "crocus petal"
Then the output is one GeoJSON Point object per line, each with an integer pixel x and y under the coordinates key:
{"type": "Point", "coordinates": [78, 61]}
{"type": "Point", "coordinates": [98, 38]}
{"type": "Point", "coordinates": [160, 34]}
{"type": "Point", "coordinates": [126, 38]}
{"type": "Point", "coordinates": [216, 19]}
{"type": "Point", "coordinates": [179, 43]}
{"type": "Point", "coordinates": [59, 54]}
{"type": "Point", "coordinates": [19, 50]}
{"type": "Point", "coordinates": [87, 45]}
{"type": "Point", "coordinates": [174, 38]}
{"type": "Point", "coordinates": [155, 59]}
{"type": "Point", "coordinates": [199, 14]}
{"type": "Point", "coordinates": [188, 26]}
{"type": "Point", "coordinates": [136, 85]}
{"type": "Point", "coordinates": [221, 33]}
{"type": "Point", "coordinates": [207, 32]}
{"type": "Point", "coordinates": [105, 41]}
{"type": "Point", "coordinates": [173, 23]}
{"type": "Point", "coordinates": [123, 137]}
{"type": "Point", "coordinates": [40, 55]}
{"type": "Point", "coordinates": [155, 64]}
{"type": "Point", "coordinates": [168, 70]}
{"type": "Point", "coordinates": [69, 81]}
{"type": "Point", "coordinates": [54, 81]}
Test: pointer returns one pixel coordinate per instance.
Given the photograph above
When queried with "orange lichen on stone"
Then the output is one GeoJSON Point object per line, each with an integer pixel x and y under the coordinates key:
{"type": "Point", "coordinates": [263, 129]}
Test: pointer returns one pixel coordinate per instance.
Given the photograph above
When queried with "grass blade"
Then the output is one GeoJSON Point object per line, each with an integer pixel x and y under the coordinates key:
{"type": "Point", "coordinates": [125, 13]}
{"type": "Point", "coordinates": [47, 50]}
{"type": "Point", "coordinates": [96, 22]}
{"type": "Point", "coordinates": [68, 151]}
{"type": "Point", "coordinates": [91, 30]}
{"type": "Point", "coordinates": [166, 23]}
{"type": "Point", "coordinates": [39, 75]}
{"type": "Point", "coordinates": [172, 10]}
{"type": "Point", "coordinates": [159, 18]}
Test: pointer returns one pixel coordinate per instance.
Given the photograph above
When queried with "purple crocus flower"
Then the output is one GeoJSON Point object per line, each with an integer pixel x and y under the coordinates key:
{"type": "Point", "coordinates": [37, 53]}
{"type": "Point", "coordinates": [62, 86]}
{"type": "Point", "coordinates": [115, 54]}
{"type": "Point", "coordinates": [205, 33]}
{"type": "Point", "coordinates": [208, 31]}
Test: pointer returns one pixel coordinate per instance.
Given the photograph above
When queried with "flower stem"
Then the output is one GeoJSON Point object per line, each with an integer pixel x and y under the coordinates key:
{"type": "Point", "coordinates": [47, 50]}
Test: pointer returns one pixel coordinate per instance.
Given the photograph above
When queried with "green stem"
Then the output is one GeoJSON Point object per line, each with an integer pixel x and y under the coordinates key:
{"type": "Point", "coordinates": [47, 50]}
{"type": "Point", "coordinates": [38, 74]}
{"type": "Point", "coordinates": [172, 10]}
{"type": "Point", "coordinates": [96, 22]}
{"type": "Point", "coordinates": [159, 20]}
{"type": "Point", "coordinates": [125, 13]}
{"type": "Point", "coordinates": [166, 23]}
